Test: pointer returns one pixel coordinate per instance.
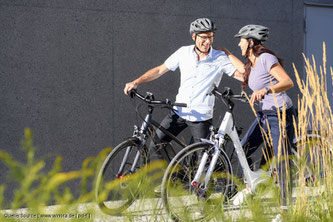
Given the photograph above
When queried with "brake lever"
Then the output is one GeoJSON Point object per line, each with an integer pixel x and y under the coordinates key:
{"type": "Point", "coordinates": [212, 92]}
{"type": "Point", "coordinates": [149, 96]}
{"type": "Point", "coordinates": [167, 102]}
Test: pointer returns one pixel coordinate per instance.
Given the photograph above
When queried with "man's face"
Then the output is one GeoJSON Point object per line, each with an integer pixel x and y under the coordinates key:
{"type": "Point", "coordinates": [203, 40]}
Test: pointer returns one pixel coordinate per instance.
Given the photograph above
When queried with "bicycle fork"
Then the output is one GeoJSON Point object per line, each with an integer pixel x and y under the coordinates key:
{"type": "Point", "coordinates": [202, 187]}
{"type": "Point", "coordinates": [201, 168]}
{"type": "Point", "coordinates": [140, 135]}
{"type": "Point", "coordinates": [123, 162]}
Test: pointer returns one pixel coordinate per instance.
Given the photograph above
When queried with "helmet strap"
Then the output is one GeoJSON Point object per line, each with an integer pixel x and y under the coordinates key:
{"type": "Point", "coordinates": [247, 50]}
{"type": "Point", "coordinates": [200, 50]}
{"type": "Point", "coordinates": [255, 42]}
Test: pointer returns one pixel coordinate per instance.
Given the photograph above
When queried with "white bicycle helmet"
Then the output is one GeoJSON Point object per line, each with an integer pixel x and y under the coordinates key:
{"type": "Point", "coordinates": [202, 25]}
{"type": "Point", "coordinates": [258, 32]}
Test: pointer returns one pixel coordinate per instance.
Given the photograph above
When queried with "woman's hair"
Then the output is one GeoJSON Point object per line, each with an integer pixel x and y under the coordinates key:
{"type": "Point", "coordinates": [257, 50]}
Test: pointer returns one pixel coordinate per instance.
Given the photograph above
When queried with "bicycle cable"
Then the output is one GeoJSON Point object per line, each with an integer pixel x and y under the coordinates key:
{"type": "Point", "coordinates": [137, 107]}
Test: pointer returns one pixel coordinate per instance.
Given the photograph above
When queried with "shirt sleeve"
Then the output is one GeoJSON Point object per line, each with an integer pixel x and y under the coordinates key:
{"type": "Point", "coordinates": [269, 60]}
{"type": "Point", "coordinates": [227, 67]}
{"type": "Point", "coordinates": [172, 62]}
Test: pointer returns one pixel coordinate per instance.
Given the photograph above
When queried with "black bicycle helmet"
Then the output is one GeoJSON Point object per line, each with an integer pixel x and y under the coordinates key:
{"type": "Point", "coordinates": [202, 25]}
{"type": "Point", "coordinates": [258, 32]}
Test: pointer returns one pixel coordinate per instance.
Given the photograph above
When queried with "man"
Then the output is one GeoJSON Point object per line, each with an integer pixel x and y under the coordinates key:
{"type": "Point", "coordinates": [201, 68]}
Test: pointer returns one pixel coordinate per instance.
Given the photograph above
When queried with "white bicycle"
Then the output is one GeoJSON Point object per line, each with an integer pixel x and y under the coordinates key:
{"type": "Point", "coordinates": [200, 177]}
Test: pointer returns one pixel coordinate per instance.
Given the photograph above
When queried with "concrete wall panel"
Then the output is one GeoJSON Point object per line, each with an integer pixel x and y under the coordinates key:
{"type": "Point", "coordinates": [63, 64]}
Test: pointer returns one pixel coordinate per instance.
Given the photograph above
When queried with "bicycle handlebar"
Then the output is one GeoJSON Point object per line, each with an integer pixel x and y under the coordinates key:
{"type": "Point", "coordinates": [228, 95]}
{"type": "Point", "coordinates": [149, 98]}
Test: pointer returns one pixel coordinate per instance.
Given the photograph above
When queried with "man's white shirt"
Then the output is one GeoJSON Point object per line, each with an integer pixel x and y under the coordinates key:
{"type": "Point", "coordinates": [197, 79]}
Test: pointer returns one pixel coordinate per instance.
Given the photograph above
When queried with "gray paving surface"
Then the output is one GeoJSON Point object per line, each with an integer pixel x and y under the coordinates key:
{"type": "Point", "coordinates": [141, 210]}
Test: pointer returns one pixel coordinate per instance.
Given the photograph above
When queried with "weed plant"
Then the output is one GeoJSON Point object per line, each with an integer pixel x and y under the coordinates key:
{"type": "Point", "coordinates": [34, 188]}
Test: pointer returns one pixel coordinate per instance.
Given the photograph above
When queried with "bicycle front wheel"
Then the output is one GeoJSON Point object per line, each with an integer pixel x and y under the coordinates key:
{"type": "Point", "coordinates": [120, 177]}
{"type": "Point", "coordinates": [185, 202]}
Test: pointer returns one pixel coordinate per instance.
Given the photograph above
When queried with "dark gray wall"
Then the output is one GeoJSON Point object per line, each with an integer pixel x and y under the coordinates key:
{"type": "Point", "coordinates": [64, 63]}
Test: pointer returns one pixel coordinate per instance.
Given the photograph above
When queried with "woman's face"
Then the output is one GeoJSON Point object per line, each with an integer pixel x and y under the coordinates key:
{"type": "Point", "coordinates": [243, 44]}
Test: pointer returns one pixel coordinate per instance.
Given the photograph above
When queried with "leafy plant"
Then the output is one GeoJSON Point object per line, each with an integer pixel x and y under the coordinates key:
{"type": "Point", "coordinates": [35, 188]}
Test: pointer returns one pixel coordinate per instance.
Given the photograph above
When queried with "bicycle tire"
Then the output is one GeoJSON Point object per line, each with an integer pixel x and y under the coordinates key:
{"type": "Point", "coordinates": [181, 200]}
{"type": "Point", "coordinates": [115, 193]}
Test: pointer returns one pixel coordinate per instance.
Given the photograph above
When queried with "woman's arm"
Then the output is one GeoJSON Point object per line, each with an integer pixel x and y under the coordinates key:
{"type": "Point", "coordinates": [236, 62]}
{"type": "Point", "coordinates": [239, 65]}
{"type": "Point", "coordinates": [284, 83]}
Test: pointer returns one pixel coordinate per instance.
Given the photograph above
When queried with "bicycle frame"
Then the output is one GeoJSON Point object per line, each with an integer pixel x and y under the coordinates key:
{"type": "Point", "coordinates": [253, 178]}
{"type": "Point", "coordinates": [227, 127]}
{"type": "Point", "coordinates": [141, 135]}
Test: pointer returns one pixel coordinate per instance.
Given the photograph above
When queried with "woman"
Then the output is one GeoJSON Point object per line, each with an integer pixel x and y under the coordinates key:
{"type": "Point", "coordinates": [265, 75]}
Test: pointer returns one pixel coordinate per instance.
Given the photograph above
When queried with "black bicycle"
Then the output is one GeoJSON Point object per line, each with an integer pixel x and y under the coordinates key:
{"type": "Point", "coordinates": [123, 174]}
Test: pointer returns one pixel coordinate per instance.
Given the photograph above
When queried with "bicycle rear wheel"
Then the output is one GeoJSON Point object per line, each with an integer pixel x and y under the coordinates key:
{"type": "Point", "coordinates": [119, 180]}
{"type": "Point", "coordinates": [185, 202]}
{"type": "Point", "coordinates": [313, 158]}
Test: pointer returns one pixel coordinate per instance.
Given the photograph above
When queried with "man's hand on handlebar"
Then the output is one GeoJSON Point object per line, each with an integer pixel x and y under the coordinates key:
{"type": "Point", "coordinates": [129, 86]}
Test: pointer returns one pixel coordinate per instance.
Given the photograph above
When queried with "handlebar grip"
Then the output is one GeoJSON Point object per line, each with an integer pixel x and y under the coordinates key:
{"type": "Point", "coordinates": [131, 93]}
{"type": "Point", "coordinates": [180, 104]}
